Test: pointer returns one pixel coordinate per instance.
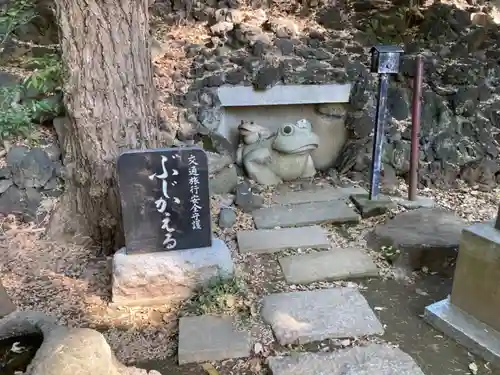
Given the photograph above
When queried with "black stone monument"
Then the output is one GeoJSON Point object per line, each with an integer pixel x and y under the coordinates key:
{"type": "Point", "coordinates": [165, 199]}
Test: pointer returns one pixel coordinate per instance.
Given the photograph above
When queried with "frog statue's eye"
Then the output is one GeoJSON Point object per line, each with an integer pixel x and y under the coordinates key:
{"type": "Point", "coordinates": [287, 129]}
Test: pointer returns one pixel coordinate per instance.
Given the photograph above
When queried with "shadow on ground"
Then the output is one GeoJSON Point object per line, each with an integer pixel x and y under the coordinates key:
{"type": "Point", "coordinates": [402, 307]}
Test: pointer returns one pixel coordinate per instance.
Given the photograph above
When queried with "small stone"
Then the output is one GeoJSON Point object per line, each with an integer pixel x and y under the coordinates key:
{"type": "Point", "coordinates": [227, 218]}
{"type": "Point", "coordinates": [15, 156]}
{"type": "Point", "coordinates": [4, 185]}
{"type": "Point", "coordinates": [217, 162]}
{"type": "Point", "coordinates": [419, 202]}
{"type": "Point", "coordinates": [246, 200]}
{"type": "Point", "coordinates": [284, 28]}
{"type": "Point", "coordinates": [12, 201]}
{"type": "Point", "coordinates": [223, 182]}
{"type": "Point", "coordinates": [221, 28]}
{"type": "Point", "coordinates": [370, 208]}
{"type": "Point", "coordinates": [211, 338]}
{"type": "Point", "coordinates": [35, 169]}
{"type": "Point", "coordinates": [155, 316]}
{"type": "Point", "coordinates": [53, 152]}
{"type": "Point", "coordinates": [267, 77]}
{"type": "Point", "coordinates": [286, 46]}
{"type": "Point", "coordinates": [5, 172]}
{"type": "Point", "coordinates": [303, 317]}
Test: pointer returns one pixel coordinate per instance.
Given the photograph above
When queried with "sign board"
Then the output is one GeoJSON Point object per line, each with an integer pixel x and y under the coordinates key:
{"type": "Point", "coordinates": [165, 199]}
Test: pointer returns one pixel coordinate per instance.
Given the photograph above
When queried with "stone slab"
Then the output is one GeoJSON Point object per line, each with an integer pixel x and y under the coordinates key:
{"type": "Point", "coordinates": [419, 202]}
{"type": "Point", "coordinates": [370, 208]}
{"type": "Point", "coordinates": [476, 336]}
{"type": "Point", "coordinates": [211, 338]}
{"type": "Point", "coordinates": [6, 305]}
{"type": "Point", "coordinates": [477, 272]}
{"type": "Point", "coordinates": [372, 359]}
{"type": "Point", "coordinates": [335, 212]}
{"type": "Point", "coordinates": [273, 240]}
{"type": "Point", "coordinates": [336, 264]}
{"type": "Point", "coordinates": [317, 195]}
{"type": "Point", "coordinates": [303, 317]}
{"type": "Point", "coordinates": [425, 237]}
{"type": "Point", "coordinates": [244, 96]}
{"type": "Point", "coordinates": [167, 277]}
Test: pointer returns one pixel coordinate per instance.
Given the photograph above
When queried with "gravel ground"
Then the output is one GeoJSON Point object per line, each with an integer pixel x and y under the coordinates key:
{"type": "Point", "coordinates": [71, 284]}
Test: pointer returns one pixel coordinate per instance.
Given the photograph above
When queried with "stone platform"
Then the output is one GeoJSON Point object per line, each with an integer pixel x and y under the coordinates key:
{"type": "Point", "coordinates": [476, 336]}
{"type": "Point", "coordinates": [376, 359]}
{"type": "Point", "coordinates": [169, 276]}
{"type": "Point", "coordinates": [304, 317]}
{"type": "Point", "coordinates": [211, 338]}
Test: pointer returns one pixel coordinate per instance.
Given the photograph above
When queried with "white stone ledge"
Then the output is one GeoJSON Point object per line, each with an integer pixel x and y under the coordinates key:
{"type": "Point", "coordinates": [244, 96]}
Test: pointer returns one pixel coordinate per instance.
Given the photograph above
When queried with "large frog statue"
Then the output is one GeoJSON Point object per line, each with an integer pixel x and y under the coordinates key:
{"type": "Point", "coordinates": [271, 158]}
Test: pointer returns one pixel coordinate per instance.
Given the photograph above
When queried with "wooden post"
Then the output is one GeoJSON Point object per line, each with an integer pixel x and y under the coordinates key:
{"type": "Point", "coordinates": [6, 305]}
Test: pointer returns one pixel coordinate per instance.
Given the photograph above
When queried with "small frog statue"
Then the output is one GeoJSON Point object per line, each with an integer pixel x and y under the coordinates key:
{"type": "Point", "coordinates": [271, 158]}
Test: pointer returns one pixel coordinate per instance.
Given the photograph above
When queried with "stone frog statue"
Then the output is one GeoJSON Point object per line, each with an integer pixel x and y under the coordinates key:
{"type": "Point", "coordinates": [271, 158]}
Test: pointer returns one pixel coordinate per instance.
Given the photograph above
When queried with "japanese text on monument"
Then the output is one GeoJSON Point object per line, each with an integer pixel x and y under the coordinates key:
{"type": "Point", "coordinates": [194, 189]}
{"type": "Point", "coordinates": [163, 204]}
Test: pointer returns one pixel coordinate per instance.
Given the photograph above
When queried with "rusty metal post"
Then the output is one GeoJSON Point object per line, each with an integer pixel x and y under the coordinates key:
{"type": "Point", "coordinates": [415, 129]}
{"type": "Point", "coordinates": [497, 224]}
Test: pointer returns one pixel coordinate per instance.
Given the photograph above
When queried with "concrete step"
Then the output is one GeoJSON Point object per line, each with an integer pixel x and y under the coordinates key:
{"type": "Point", "coordinates": [336, 212]}
{"type": "Point", "coordinates": [373, 359]}
{"type": "Point", "coordinates": [316, 194]}
{"type": "Point", "coordinates": [336, 264]}
{"type": "Point", "coordinates": [303, 317]}
{"type": "Point", "coordinates": [273, 240]}
{"type": "Point", "coordinates": [211, 338]}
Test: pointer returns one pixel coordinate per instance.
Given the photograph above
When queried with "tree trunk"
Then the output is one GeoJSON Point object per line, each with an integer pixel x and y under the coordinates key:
{"type": "Point", "coordinates": [111, 106]}
{"type": "Point", "coordinates": [497, 222]}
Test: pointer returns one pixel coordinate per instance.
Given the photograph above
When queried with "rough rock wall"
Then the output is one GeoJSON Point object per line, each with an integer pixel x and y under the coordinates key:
{"type": "Point", "coordinates": [278, 43]}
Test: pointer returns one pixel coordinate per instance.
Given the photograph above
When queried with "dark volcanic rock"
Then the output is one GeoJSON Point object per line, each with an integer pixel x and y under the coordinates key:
{"type": "Point", "coordinates": [34, 170]}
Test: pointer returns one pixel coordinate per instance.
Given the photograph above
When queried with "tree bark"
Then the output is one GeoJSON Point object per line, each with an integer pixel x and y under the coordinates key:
{"type": "Point", "coordinates": [111, 106]}
{"type": "Point", "coordinates": [497, 222]}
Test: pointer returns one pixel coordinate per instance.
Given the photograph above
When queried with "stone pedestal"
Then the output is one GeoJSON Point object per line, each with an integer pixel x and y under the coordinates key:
{"type": "Point", "coordinates": [472, 314]}
{"type": "Point", "coordinates": [477, 274]}
{"type": "Point", "coordinates": [370, 208]}
{"type": "Point", "coordinates": [167, 277]}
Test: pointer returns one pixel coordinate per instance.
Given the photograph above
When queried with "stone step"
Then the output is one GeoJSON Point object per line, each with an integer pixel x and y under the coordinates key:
{"type": "Point", "coordinates": [211, 338]}
{"type": "Point", "coordinates": [318, 194]}
{"type": "Point", "coordinates": [273, 240]}
{"type": "Point", "coordinates": [371, 359]}
{"type": "Point", "coordinates": [303, 317]}
{"type": "Point", "coordinates": [336, 264]}
{"type": "Point", "coordinates": [335, 212]}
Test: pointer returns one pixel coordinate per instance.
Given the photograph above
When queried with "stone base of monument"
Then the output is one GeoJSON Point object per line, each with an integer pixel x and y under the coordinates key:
{"type": "Point", "coordinates": [476, 336]}
{"type": "Point", "coordinates": [370, 208]}
{"type": "Point", "coordinates": [169, 276]}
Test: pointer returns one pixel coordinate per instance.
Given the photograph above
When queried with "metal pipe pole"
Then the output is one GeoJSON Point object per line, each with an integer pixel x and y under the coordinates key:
{"type": "Point", "coordinates": [415, 129]}
{"type": "Point", "coordinates": [378, 140]}
{"type": "Point", "coordinates": [497, 224]}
